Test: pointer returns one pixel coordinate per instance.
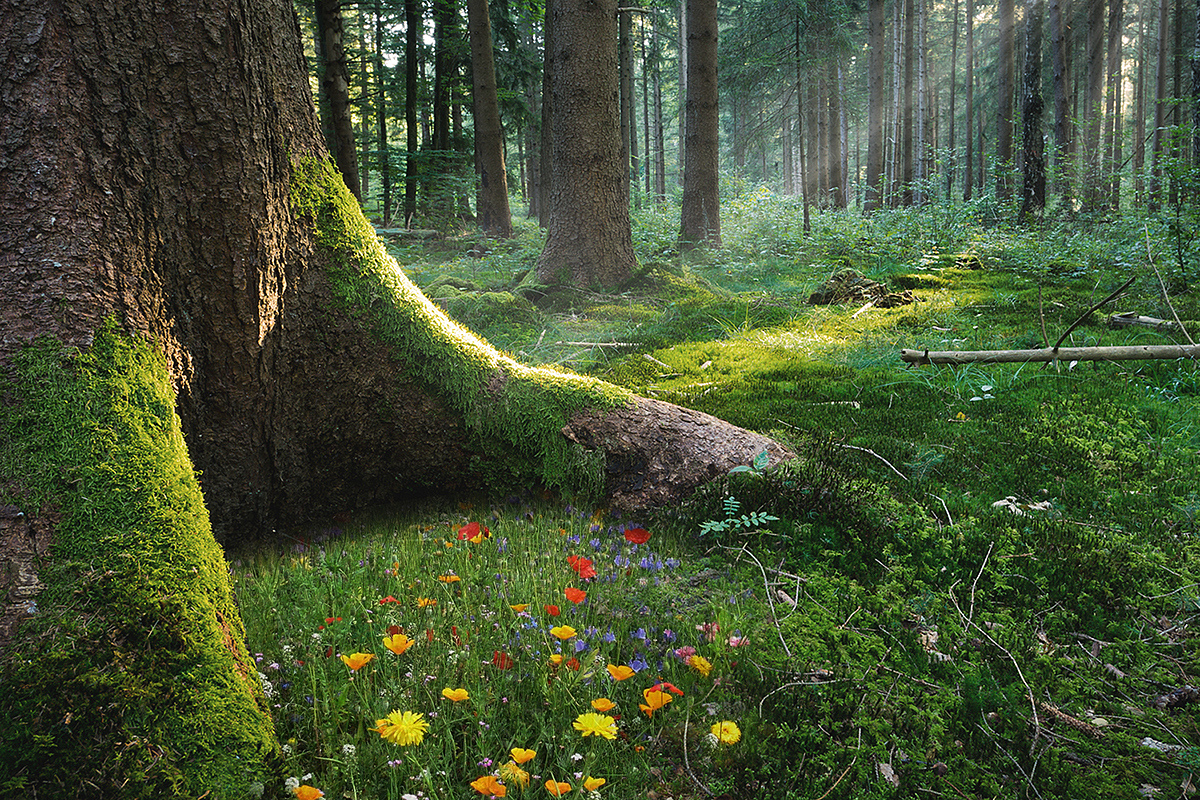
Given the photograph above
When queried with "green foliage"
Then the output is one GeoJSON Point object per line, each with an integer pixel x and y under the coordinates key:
{"type": "Point", "coordinates": [733, 523]}
{"type": "Point", "coordinates": [130, 668]}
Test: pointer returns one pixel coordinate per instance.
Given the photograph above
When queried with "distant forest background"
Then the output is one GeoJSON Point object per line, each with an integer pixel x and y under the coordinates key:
{"type": "Point", "coordinates": [1088, 105]}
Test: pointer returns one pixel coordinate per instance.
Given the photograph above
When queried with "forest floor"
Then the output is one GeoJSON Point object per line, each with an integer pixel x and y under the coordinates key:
{"type": "Point", "coordinates": [977, 581]}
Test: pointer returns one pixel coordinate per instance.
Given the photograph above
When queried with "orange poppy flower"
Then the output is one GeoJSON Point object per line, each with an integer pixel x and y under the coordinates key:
{"type": "Point", "coordinates": [575, 595]}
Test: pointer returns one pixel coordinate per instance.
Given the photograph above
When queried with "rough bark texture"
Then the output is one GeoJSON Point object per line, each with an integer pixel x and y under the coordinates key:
{"type": "Point", "coordinates": [873, 198]}
{"type": "Point", "coordinates": [335, 85]}
{"type": "Point", "coordinates": [491, 206]}
{"type": "Point", "coordinates": [1004, 102]}
{"type": "Point", "coordinates": [657, 452]}
{"type": "Point", "coordinates": [700, 221]}
{"type": "Point", "coordinates": [1033, 188]}
{"type": "Point", "coordinates": [589, 242]}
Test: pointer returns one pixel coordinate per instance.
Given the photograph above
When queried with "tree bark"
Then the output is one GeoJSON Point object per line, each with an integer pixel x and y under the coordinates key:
{"type": "Point", "coordinates": [1034, 161]}
{"type": "Point", "coordinates": [969, 155]}
{"type": "Point", "coordinates": [491, 206]}
{"type": "Point", "coordinates": [1062, 141]}
{"type": "Point", "coordinates": [589, 241]}
{"type": "Point", "coordinates": [1159, 141]}
{"type": "Point", "coordinates": [700, 217]}
{"type": "Point", "coordinates": [875, 80]}
{"type": "Point", "coordinates": [335, 84]}
{"type": "Point", "coordinates": [1094, 107]}
{"type": "Point", "coordinates": [172, 199]}
{"type": "Point", "coordinates": [412, 34]}
{"type": "Point", "coordinates": [1004, 101]}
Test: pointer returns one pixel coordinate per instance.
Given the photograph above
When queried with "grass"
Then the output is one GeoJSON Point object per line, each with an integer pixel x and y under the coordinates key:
{"type": "Point", "coordinates": [982, 581]}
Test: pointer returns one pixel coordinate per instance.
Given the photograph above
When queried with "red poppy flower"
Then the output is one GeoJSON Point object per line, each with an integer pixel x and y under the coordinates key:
{"type": "Point", "coordinates": [501, 660]}
{"type": "Point", "coordinates": [388, 599]}
{"type": "Point", "coordinates": [429, 634]}
{"type": "Point", "coordinates": [454, 635]}
{"type": "Point", "coordinates": [329, 652]}
{"type": "Point", "coordinates": [638, 535]}
{"type": "Point", "coordinates": [572, 664]}
{"type": "Point", "coordinates": [473, 532]}
{"type": "Point", "coordinates": [663, 685]}
{"type": "Point", "coordinates": [583, 566]}
{"type": "Point", "coordinates": [551, 610]}
{"type": "Point", "coordinates": [575, 595]}
{"type": "Point", "coordinates": [394, 629]}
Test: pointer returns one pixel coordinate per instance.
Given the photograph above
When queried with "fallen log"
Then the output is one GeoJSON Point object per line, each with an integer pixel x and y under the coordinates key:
{"type": "Point", "coordinates": [1117, 353]}
{"type": "Point", "coordinates": [1129, 319]}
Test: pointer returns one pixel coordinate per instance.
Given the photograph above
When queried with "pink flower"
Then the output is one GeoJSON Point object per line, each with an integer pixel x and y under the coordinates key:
{"type": "Point", "coordinates": [684, 653]}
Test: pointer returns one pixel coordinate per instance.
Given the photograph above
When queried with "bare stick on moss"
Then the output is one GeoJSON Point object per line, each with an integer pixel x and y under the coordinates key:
{"type": "Point", "coordinates": [1049, 354]}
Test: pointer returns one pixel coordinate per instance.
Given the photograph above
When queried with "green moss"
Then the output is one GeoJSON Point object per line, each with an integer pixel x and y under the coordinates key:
{"type": "Point", "coordinates": [513, 413]}
{"type": "Point", "coordinates": [132, 677]}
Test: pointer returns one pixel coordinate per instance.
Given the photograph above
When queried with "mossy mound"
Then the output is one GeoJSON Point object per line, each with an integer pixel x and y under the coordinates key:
{"type": "Point", "coordinates": [129, 676]}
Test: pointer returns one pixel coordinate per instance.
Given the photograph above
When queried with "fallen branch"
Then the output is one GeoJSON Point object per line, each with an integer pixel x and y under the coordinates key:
{"type": "Point", "coordinates": [1048, 354]}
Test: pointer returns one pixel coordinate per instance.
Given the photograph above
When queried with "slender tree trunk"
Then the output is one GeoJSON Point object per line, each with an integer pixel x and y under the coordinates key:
{"type": "Point", "coordinates": [907, 142]}
{"type": "Point", "coordinates": [896, 146]}
{"type": "Point", "coordinates": [1113, 112]}
{"type": "Point", "coordinates": [873, 199]}
{"type": "Point", "coordinates": [683, 86]}
{"type": "Point", "coordinates": [952, 142]}
{"type": "Point", "coordinates": [491, 206]}
{"type": "Point", "coordinates": [660, 145]}
{"type": "Point", "coordinates": [1093, 106]}
{"type": "Point", "coordinates": [969, 156]}
{"type": "Point", "coordinates": [1195, 198]}
{"type": "Point", "coordinates": [545, 167]}
{"type": "Point", "coordinates": [1176, 113]}
{"type": "Point", "coordinates": [532, 133]}
{"type": "Point", "coordinates": [1139, 105]}
{"type": "Point", "coordinates": [701, 213]}
{"type": "Point", "coordinates": [364, 106]}
{"type": "Point", "coordinates": [1034, 161]}
{"type": "Point", "coordinates": [1158, 148]}
{"type": "Point", "coordinates": [922, 133]}
{"type": "Point", "coordinates": [589, 242]}
{"type": "Point", "coordinates": [625, 68]}
{"type": "Point", "coordinates": [1004, 102]}
{"type": "Point", "coordinates": [645, 109]}
{"type": "Point", "coordinates": [800, 128]}
{"type": "Point", "coordinates": [335, 83]}
{"type": "Point", "coordinates": [1058, 60]}
{"type": "Point", "coordinates": [412, 32]}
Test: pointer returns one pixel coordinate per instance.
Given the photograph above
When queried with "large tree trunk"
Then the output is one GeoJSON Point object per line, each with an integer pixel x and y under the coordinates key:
{"type": "Point", "coordinates": [1093, 190]}
{"type": "Point", "coordinates": [589, 241]}
{"type": "Point", "coordinates": [1005, 71]}
{"type": "Point", "coordinates": [700, 217]}
{"type": "Point", "coordinates": [1033, 187]}
{"type": "Point", "coordinates": [1062, 123]}
{"type": "Point", "coordinates": [172, 228]}
{"type": "Point", "coordinates": [491, 205]}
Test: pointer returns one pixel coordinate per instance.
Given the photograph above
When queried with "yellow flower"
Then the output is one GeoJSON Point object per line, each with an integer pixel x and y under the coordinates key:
{"type": "Point", "coordinates": [592, 784]}
{"type": "Point", "coordinates": [727, 732]}
{"type": "Point", "coordinates": [655, 699]}
{"type": "Point", "coordinates": [402, 728]}
{"type": "Point", "coordinates": [514, 774]}
{"type": "Point", "coordinates": [519, 607]}
{"type": "Point", "coordinates": [487, 784]}
{"type": "Point", "coordinates": [449, 578]}
{"type": "Point", "coordinates": [357, 661]}
{"type": "Point", "coordinates": [620, 673]}
{"type": "Point", "coordinates": [590, 724]}
{"type": "Point", "coordinates": [455, 694]}
{"type": "Point", "coordinates": [603, 704]}
{"type": "Point", "coordinates": [700, 664]}
{"type": "Point", "coordinates": [563, 632]}
{"type": "Point", "coordinates": [521, 755]}
{"type": "Point", "coordinates": [397, 643]}
{"type": "Point", "coordinates": [557, 788]}
{"type": "Point", "coordinates": [556, 659]}
{"type": "Point", "coordinates": [426, 602]}
{"type": "Point", "coordinates": [306, 792]}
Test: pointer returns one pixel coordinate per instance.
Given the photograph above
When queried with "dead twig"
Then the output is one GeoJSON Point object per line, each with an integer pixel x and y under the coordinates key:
{"type": "Point", "coordinates": [1163, 287]}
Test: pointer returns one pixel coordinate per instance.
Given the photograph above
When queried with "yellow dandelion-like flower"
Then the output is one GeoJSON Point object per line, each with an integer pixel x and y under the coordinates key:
{"type": "Point", "coordinates": [521, 755]}
{"type": "Point", "coordinates": [592, 784]}
{"type": "Point", "coordinates": [727, 732]}
{"type": "Point", "coordinates": [402, 728]}
{"type": "Point", "coordinates": [590, 724]}
{"type": "Point", "coordinates": [519, 607]}
{"type": "Point", "coordinates": [603, 704]}
{"type": "Point", "coordinates": [397, 643]}
{"type": "Point", "coordinates": [356, 661]}
{"type": "Point", "coordinates": [306, 792]}
{"type": "Point", "coordinates": [514, 774]}
{"type": "Point", "coordinates": [426, 602]}
{"type": "Point", "coordinates": [556, 659]}
{"type": "Point", "coordinates": [563, 632]}
{"type": "Point", "coordinates": [455, 694]}
{"type": "Point", "coordinates": [449, 578]}
{"type": "Point", "coordinates": [700, 664]}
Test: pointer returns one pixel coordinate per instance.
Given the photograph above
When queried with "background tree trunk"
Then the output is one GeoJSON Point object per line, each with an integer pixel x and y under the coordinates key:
{"type": "Point", "coordinates": [875, 80]}
{"type": "Point", "coordinates": [491, 206]}
{"type": "Point", "coordinates": [701, 213]}
{"type": "Point", "coordinates": [335, 84]}
{"type": "Point", "coordinates": [1034, 161]}
{"type": "Point", "coordinates": [1004, 101]}
{"type": "Point", "coordinates": [589, 242]}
